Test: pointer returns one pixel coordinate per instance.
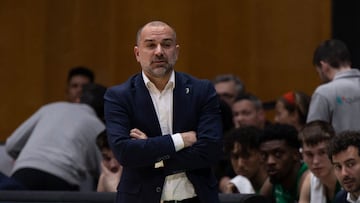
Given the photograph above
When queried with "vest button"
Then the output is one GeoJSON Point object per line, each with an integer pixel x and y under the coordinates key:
{"type": "Point", "coordinates": [158, 189]}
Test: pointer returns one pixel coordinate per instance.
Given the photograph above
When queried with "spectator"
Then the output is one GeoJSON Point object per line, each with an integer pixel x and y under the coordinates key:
{"type": "Point", "coordinates": [344, 153]}
{"type": "Point", "coordinates": [248, 111]}
{"type": "Point", "coordinates": [242, 145]}
{"type": "Point", "coordinates": [279, 146]}
{"type": "Point", "coordinates": [228, 87]}
{"type": "Point", "coordinates": [77, 78]}
{"type": "Point", "coordinates": [320, 186]}
{"type": "Point", "coordinates": [110, 167]}
{"type": "Point", "coordinates": [292, 109]}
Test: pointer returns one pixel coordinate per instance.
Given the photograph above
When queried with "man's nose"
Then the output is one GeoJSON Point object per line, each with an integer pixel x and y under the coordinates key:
{"type": "Point", "coordinates": [242, 120]}
{"type": "Point", "coordinates": [344, 171]}
{"type": "Point", "coordinates": [270, 160]}
{"type": "Point", "coordinates": [159, 50]}
{"type": "Point", "coordinates": [316, 159]}
{"type": "Point", "coordinates": [240, 162]}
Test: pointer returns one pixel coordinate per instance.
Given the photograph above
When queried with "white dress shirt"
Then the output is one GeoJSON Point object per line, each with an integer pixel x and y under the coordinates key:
{"type": "Point", "coordinates": [176, 186]}
{"type": "Point", "coordinates": [349, 199]}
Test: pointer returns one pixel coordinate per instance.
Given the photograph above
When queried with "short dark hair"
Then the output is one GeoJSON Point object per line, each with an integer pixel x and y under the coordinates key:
{"type": "Point", "coordinates": [102, 141]}
{"type": "Point", "coordinates": [284, 132]}
{"type": "Point", "coordinates": [93, 95]}
{"type": "Point", "coordinates": [342, 141]}
{"type": "Point", "coordinates": [83, 71]}
{"type": "Point", "coordinates": [334, 52]}
{"type": "Point", "coordinates": [247, 136]}
{"type": "Point", "coordinates": [250, 97]}
{"type": "Point", "coordinates": [239, 85]}
{"type": "Point", "coordinates": [315, 132]}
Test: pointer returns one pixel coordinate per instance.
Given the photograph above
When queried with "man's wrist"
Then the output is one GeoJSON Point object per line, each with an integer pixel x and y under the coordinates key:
{"type": "Point", "coordinates": [178, 141]}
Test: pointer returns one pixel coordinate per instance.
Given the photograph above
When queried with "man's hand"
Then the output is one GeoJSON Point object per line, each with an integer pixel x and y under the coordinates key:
{"type": "Point", "coordinates": [108, 180]}
{"type": "Point", "coordinates": [230, 188]}
{"type": "Point", "coordinates": [224, 184]}
{"type": "Point", "coordinates": [137, 134]}
{"type": "Point", "coordinates": [189, 138]}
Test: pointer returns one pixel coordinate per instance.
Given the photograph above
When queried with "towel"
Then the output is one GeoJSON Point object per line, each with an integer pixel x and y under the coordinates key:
{"type": "Point", "coordinates": [243, 184]}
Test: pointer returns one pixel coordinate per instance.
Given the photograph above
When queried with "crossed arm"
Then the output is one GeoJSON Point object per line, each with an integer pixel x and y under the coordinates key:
{"type": "Point", "coordinates": [188, 138]}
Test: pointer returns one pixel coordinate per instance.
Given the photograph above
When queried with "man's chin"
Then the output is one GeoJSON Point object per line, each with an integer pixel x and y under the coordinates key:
{"type": "Point", "coordinates": [161, 72]}
{"type": "Point", "coordinates": [274, 180]}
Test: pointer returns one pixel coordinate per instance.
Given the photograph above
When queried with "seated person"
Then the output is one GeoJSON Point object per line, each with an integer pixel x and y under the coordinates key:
{"type": "Point", "coordinates": [76, 79]}
{"type": "Point", "coordinates": [228, 87]}
{"type": "Point", "coordinates": [320, 186]}
{"type": "Point", "coordinates": [344, 153]}
{"type": "Point", "coordinates": [110, 167]}
{"type": "Point", "coordinates": [248, 111]}
{"type": "Point", "coordinates": [279, 147]}
{"type": "Point", "coordinates": [242, 145]}
{"type": "Point", "coordinates": [292, 109]}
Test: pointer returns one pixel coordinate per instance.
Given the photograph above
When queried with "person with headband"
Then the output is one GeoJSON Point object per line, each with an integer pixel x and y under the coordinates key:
{"type": "Point", "coordinates": [292, 109]}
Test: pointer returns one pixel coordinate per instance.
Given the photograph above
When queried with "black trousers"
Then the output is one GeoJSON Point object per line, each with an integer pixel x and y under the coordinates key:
{"type": "Point", "coordinates": [34, 179]}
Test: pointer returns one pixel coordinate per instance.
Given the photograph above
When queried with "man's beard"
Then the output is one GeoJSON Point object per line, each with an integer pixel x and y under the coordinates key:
{"type": "Point", "coordinates": [161, 71]}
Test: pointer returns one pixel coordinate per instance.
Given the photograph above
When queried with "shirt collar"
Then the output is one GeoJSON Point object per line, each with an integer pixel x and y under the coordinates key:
{"type": "Point", "coordinates": [347, 73]}
{"type": "Point", "coordinates": [149, 84]}
{"type": "Point", "coordinates": [348, 198]}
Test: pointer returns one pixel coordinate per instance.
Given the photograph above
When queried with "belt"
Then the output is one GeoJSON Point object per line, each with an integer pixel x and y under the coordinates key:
{"type": "Point", "coordinates": [190, 200]}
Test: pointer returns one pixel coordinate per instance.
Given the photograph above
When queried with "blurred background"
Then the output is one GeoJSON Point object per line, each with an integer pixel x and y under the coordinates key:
{"type": "Point", "coordinates": [268, 44]}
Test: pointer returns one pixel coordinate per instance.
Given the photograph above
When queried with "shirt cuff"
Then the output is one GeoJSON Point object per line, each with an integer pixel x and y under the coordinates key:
{"type": "Point", "coordinates": [178, 141]}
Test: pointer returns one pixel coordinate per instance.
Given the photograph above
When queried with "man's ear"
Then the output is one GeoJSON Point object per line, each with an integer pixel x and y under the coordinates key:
{"type": "Point", "coordinates": [177, 51]}
{"type": "Point", "coordinates": [136, 52]}
{"type": "Point", "coordinates": [324, 66]}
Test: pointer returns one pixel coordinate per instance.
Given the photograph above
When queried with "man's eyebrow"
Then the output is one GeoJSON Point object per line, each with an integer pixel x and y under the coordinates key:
{"type": "Point", "coordinates": [274, 149]}
{"type": "Point", "coordinates": [277, 149]}
{"type": "Point", "coordinates": [152, 40]}
{"type": "Point", "coordinates": [349, 160]}
{"type": "Point", "coordinates": [149, 40]}
{"type": "Point", "coordinates": [346, 161]}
